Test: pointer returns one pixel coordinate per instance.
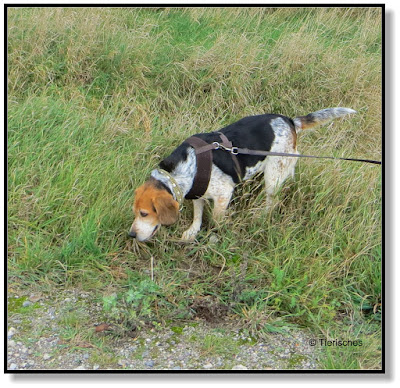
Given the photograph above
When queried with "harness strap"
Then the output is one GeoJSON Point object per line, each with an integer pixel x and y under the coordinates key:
{"type": "Point", "coordinates": [204, 161]}
{"type": "Point", "coordinates": [228, 144]}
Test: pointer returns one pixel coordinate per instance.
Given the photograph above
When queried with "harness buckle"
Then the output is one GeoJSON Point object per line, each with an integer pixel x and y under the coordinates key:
{"type": "Point", "coordinates": [216, 145]}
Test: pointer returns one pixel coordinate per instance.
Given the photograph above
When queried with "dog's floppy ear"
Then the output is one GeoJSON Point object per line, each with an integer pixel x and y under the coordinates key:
{"type": "Point", "coordinates": [167, 208]}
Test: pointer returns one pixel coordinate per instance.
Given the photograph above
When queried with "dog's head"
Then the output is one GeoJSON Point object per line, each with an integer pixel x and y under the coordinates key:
{"type": "Point", "coordinates": [153, 206]}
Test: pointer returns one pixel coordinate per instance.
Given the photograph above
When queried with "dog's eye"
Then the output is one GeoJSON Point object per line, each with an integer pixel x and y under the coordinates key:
{"type": "Point", "coordinates": [143, 214]}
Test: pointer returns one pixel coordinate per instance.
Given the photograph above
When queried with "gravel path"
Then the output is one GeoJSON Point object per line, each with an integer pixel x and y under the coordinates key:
{"type": "Point", "coordinates": [46, 334]}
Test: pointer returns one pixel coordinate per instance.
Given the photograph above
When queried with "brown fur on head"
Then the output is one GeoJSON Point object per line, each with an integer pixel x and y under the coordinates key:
{"type": "Point", "coordinates": [153, 206]}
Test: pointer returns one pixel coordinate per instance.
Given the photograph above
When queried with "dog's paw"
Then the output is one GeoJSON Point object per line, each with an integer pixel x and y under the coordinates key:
{"type": "Point", "coordinates": [189, 235]}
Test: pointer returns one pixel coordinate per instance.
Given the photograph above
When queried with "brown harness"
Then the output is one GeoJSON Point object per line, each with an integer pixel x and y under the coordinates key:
{"type": "Point", "coordinates": [203, 152]}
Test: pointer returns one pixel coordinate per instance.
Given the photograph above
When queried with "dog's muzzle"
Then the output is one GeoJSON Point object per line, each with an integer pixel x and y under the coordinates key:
{"type": "Point", "coordinates": [133, 234]}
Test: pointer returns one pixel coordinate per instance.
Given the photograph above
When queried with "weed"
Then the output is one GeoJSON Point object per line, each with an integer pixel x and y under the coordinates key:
{"type": "Point", "coordinates": [133, 308]}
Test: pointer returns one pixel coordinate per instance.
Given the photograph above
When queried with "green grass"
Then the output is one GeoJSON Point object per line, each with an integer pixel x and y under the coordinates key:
{"type": "Point", "coordinates": [96, 97]}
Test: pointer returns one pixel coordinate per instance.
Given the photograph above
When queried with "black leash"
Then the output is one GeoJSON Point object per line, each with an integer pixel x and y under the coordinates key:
{"type": "Point", "coordinates": [246, 151]}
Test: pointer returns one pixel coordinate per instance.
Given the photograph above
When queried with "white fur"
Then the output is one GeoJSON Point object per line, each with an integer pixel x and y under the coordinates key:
{"type": "Point", "coordinates": [143, 228]}
{"type": "Point", "coordinates": [253, 170]}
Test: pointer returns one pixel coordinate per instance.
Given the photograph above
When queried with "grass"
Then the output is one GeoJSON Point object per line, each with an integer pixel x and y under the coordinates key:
{"type": "Point", "coordinates": [97, 96]}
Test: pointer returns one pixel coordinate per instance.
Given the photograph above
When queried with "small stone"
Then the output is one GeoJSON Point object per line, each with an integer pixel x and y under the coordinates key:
{"type": "Point", "coordinates": [208, 366]}
{"type": "Point", "coordinates": [213, 239]}
{"type": "Point", "coordinates": [95, 367]}
{"type": "Point", "coordinates": [176, 368]}
{"type": "Point", "coordinates": [11, 332]}
{"type": "Point", "coordinates": [52, 312]}
{"type": "Point", "coordinates": [13, 366]}
{"type": "Point", "coordinates": [149, 363]}
{"type": "Point", "coordinates": [35, 298]}
{"type": "Point", "coordinates": [81, 367]}
{"type": "Point", "coordinates": [239, 367]}
{"type": "Point", "coordinates": [27, 303]}
{"type": "Point", "coordinates": [11, 343]}
{"type": "Point", "coordinates": [122, 363]}
{"type": "Point", "coordinates": [46, 356]}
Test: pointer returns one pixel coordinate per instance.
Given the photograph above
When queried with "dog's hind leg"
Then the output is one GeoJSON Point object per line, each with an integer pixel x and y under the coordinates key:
{"type": "Point", "coordinates": [198, 206]}
{"type": "Point", "coordinates": [276, 171]}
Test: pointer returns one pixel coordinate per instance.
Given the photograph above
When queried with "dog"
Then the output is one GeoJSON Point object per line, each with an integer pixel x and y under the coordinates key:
{"type": "Point", "coordinates": [157, 202]}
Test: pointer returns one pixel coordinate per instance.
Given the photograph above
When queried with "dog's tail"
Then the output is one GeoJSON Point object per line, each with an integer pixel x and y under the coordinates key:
{"type": "Point", "coordinates": [320, 117]}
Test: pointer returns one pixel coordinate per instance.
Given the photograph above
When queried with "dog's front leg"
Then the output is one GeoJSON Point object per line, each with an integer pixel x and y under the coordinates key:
{"type": "Point", "coordinates": [198, 206]}
{"type": "Point", "coordinates": [220, 206]}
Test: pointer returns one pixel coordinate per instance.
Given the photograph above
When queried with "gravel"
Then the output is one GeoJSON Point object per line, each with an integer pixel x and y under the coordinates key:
{"type": "Point", "coordinates": [38, 339]}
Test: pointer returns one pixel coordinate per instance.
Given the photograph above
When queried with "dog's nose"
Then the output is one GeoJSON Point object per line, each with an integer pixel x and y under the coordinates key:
{"type": "Point", "coordinates": [132, 233]}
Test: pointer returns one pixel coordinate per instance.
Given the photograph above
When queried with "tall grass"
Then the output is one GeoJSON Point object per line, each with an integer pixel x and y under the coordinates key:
{"type": "Point", "coordinates": [97, 96]}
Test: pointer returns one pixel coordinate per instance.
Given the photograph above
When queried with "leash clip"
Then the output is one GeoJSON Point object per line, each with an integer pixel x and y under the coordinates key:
{"type": "Point", "coordinates": [217, 145]}
{"type": "Point", "coordinates": [234, 150]}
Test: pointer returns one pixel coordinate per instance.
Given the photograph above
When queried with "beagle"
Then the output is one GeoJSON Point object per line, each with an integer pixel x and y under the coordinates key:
{"type": "Point", "coordinates": [157, 202]}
